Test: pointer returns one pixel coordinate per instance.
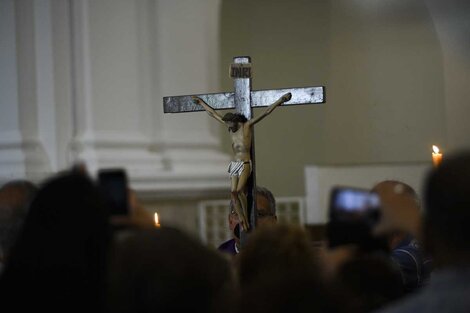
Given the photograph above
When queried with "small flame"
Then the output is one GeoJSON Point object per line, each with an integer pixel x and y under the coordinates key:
{"type": "Point", "coordinates": [435, 149]}
{"type": "Point", "coordinates": [155, 217]}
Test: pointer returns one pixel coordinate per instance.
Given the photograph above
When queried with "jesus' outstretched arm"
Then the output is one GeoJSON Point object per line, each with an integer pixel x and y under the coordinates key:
{"type": "Point", "coordinates": [208, 109]}
{"type": "Point", "coordinates": [271, 108]}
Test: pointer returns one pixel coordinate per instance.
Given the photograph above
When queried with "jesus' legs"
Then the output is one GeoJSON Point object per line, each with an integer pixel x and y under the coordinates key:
{"type": "Point", "coordinates": [241, 192]}
{"type": "Point", "coordinates": [238, 205]}
{"type": "Point", "coordinates": [243, 203]}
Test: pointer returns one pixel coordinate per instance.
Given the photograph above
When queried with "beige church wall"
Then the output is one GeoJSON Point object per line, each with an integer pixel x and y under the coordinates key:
{"type": "Point", "coordinates": [452, 21]}
{"type": "Point", "coordinates": [382, 65]}
{"type": "Point", "coordinates": [387, 87]}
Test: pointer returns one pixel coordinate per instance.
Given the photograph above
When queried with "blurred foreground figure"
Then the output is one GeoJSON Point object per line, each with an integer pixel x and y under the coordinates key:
{"type": "Point", "coordinates": [400, 222]}
{"type": "Point", "coordinates": [278, 272]}
{"type": "Point", "coordinates": [57, 263]}
{"type": "Point", "coordinates": [447, 238]}
{"type": "Point", "coordinates": [164, 270]}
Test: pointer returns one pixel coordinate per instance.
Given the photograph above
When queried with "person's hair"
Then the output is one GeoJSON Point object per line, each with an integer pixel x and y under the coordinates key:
{"type": "Point", "coordinates": [15, 199]}
{"type": "Point", "coordinates": [280, 260]}
{"type": "Point", "coordinates": [447, 209]}
{"type": "Point", "coordinates": [265, 192]}
{"type": "Point", "coordinates": [372, 279]}
{"type": "Point", "coordinates": [234, 117]}
{"type": "Point", "coordinates": [275, 250]}
{"type": "Point", "coordinates": [165, 270]}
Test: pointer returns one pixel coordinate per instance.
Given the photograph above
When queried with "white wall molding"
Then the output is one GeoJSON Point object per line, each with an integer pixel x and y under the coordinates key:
{"type": "Point", "coordinates": [12, 158]}
{"type": "Point", "coordinates": [81, 73]}
{"type": "Point", "coordinates": [21, 158]}
{"type": "Point", "coordinates": [45, 99]}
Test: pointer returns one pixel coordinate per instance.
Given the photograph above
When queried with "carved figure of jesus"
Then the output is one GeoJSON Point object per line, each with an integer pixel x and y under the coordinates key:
{"type": "Point", "coordinates": [241, 132]}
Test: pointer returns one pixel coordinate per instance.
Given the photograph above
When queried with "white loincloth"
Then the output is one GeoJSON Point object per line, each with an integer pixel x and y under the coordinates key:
{"type": "Point", "coordinates": [235, 168]}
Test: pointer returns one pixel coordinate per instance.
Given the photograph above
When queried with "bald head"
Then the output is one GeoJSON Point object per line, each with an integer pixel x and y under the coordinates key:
{"type": "Point", "coordinates": [396, 188]}
{"type": "Point", "coordinates": [400, 207]}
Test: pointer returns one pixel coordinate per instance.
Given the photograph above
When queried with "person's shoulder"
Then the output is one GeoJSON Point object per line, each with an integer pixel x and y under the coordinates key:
{"type": "Point", "coordinates": [406, 258]}
{"type": "Point", "coordinates": [408, 249]}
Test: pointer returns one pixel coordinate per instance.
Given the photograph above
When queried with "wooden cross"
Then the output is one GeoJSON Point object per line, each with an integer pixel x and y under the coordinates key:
{"type": "Point", "coordinates": [243, 100]}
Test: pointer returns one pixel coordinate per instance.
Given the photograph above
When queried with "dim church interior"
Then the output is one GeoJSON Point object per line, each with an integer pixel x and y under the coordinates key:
{"type": "Point", "coordinates": [84, 81]}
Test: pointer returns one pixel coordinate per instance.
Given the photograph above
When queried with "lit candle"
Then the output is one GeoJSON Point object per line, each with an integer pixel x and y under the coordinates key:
{"type": "Point", "coordinates": [436, 156]}
{"type": "Point", "coordinates": [155, 217]}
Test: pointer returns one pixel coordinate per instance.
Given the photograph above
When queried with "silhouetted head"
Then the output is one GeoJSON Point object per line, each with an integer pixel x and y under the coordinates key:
{"type": "Point", "coordinates": [400, 214]}
{"type": "Point", "coordinates": [279, 272]}
{"type": "Point", "coordinates": [60, 254]}
{"type": "Point", "coordinates": [265, 206]}
{"type": "Point", "coordinates": [165, 270]}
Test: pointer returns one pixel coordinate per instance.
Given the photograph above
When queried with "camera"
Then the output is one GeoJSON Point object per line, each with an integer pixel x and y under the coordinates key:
{"type": "Point", "coordinates": [112, 184]}
{"type": "Point", "coordinates": [353, 212]}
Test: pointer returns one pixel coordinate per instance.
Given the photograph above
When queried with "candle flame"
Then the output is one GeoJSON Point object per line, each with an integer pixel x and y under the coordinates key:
{"type": "Point", "coordinates": [435, 149]}
{"type": "Point", "coordinates": [155, 217]}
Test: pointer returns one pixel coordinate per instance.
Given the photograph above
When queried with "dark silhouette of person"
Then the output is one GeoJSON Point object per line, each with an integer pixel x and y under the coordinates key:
{"type": "Point", "coordinates": [399, 205]}
{"type": "Point", "coordinates": [58, 262]}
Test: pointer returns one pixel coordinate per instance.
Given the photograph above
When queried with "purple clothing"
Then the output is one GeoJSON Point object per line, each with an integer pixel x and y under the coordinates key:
{"type": "Point", "coordinates": [228, 247]}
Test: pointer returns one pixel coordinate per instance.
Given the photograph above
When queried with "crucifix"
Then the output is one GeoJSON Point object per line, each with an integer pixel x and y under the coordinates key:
{"type": "Point", "coordinates": [242, 169]}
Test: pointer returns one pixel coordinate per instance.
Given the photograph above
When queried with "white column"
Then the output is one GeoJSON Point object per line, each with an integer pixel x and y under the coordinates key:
{"type": "Point", "coordinates": [22, 153]}
{"type": "Point", "coordinates": [11, 153]}
{"type": "Point", "coordinates": [125, 59]}
{"type": "Point", "coordinates": [45, 100]}
{"type": "Point", "coordinates": [188, 57]}
{"type": "Point", "coordinates": [109, 107]}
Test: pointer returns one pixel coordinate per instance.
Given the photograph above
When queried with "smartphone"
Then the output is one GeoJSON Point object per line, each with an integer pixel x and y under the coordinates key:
{"type": "Point", "coordinates": [353, 212]}
{"type": "Point", "coordinates": [113, 186]}
{"type": "Point", "coordinates": [354, 205]}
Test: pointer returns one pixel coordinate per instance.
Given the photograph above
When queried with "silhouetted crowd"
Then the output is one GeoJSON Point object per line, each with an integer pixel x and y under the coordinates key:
{"type": "Point", "coordinates": [64, 250]}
